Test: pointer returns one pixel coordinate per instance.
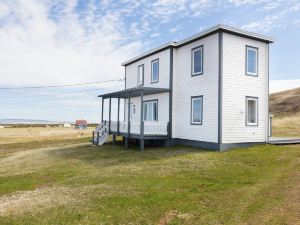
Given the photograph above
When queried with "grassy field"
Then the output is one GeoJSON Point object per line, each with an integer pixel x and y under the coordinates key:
{"type": "Point", "coordinates": [285, 106]}
{"type": "Point", "coordinates": [286, 125]}
{"type": "Point", "coordinates": [32, 134]}
{"type": "Point", "coordinates": [80, 184]}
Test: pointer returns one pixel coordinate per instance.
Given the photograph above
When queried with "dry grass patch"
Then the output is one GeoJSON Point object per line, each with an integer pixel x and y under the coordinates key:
{"type": "Point", "coordinates": [286, 126]}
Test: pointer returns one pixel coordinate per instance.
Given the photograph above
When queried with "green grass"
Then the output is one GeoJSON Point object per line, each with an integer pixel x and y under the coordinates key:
{"type": "Point", "coordinates": [178, 185]}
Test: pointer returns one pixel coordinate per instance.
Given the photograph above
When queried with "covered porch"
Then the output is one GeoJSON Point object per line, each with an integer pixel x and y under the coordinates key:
{"type": "Point", "coordinates": [128, 128]}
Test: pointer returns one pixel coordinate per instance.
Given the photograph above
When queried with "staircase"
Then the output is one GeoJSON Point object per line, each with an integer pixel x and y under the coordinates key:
{"type": "Point", "coordinates": [101, 133]}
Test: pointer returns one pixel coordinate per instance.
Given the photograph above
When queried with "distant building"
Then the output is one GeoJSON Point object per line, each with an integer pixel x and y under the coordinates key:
{"type": "Point", "coordinates": [81, 124]}
{"type": "Point", "coordinates": [67, 125]}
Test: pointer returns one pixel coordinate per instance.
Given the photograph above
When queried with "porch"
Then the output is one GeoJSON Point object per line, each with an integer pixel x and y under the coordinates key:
{"type": "Point", "coordinates": [135, 129]}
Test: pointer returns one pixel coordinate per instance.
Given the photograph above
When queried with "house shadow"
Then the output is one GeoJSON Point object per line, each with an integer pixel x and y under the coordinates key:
{"type": "Point", "coordinates": [109, 155]}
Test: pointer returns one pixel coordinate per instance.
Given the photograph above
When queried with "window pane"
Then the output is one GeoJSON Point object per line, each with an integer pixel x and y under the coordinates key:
{"type": "Point", "coordinates": [197, 61]}
{"type": "Point", "coordinates": [155, 71]}
{"type": "Point", "coordinates": [252, 61]}
{"type": "Point", "coordinates": [140, 75]}
{"type": "Point", "coordinates": [251, 111]}
{"type": "Point", "coordinates": [197, 111]}
{"type": "Point", "coordinates": [150, 111]}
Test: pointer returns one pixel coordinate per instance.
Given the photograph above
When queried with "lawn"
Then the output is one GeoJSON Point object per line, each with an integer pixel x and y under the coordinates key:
{"type": "Point", "coordinates": [80, 184]}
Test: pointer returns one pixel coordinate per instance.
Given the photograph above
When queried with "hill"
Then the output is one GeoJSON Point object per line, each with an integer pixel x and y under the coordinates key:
{"type": "Point", "coordinates": [285, 102]}
{"type": "Point", "coordinates": [285, 106]}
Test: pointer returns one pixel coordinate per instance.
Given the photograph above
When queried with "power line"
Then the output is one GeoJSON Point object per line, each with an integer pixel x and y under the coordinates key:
{"type": "Point", "coordinates": [63, 85]}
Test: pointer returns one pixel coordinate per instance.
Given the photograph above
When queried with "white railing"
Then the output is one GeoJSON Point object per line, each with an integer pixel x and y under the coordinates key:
{"type": "Point", "coordinates": [150, 128]}
{"type": "Point", "coordinates": [101, 133]}
{"type": "Point", "coordinates": [155, 128]}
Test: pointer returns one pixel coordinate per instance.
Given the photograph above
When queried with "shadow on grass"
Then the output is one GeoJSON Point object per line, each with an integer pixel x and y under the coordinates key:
{"type": "Point", "coordinates": [111, 155]}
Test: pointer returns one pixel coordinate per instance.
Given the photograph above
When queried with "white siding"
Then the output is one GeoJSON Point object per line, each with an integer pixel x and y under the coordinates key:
{"type": "Point", "coordinates": [163, 107]}
{"type": "Point", "coordinates": [164, 71]}
{"type": "Point", "coordinates": [186, 86]}
{"type": "Point", "coordinates": [237, 85]}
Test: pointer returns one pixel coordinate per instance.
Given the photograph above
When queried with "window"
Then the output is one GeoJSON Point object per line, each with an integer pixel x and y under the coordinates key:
{"type": "Point", "coordinates": [251, 111]}
{"type": "Point", "coordinates": [140, 77]}
{"type": "Point", "coordinates": [150, 110]}
{"type": "Point", "coordinates": [197, 61]}
{"type": "Point", "coordinates": [154, 70]}
{"type": "Point", "coordinates": [251, 61]}
{"type": "Point", "coordinates": [197, 110]}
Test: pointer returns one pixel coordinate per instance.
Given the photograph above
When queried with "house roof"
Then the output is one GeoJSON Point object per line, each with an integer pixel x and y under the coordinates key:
{"type": "Point", "coordinates": [205, 33]}
{"type": "Point", "coordinates": [134, 92]}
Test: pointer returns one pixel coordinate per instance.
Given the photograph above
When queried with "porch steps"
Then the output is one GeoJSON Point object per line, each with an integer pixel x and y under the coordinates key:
{"type": "Point", "coordinates": [101, 133]}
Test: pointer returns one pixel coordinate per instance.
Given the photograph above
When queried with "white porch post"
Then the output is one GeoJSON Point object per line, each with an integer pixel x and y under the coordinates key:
{"type": "Point", "coordinates": [142, 143]}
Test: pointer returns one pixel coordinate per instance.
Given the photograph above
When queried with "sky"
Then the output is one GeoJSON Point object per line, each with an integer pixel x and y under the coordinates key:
{"type": "Point", "coordinates": [55, 42]}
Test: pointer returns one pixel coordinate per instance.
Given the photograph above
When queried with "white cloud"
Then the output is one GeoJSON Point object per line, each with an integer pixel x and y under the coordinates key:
{"type": "Point", "coordinates": [245, 2]}
{"type": "Point", "coordinates": [34, 49]}
{"type": "Point", "coordinates": [155, 35]}
{"type": "Point", "coordinates": [283, 85]}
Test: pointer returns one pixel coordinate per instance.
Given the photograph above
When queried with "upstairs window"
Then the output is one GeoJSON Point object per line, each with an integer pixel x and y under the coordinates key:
{"type": "Point", "coordinates": [154, 70]}
{"type": "Point", "coordinates": [197, 61]}
{"type": "Point", "coordinates": [251, 61]}
{"type": "Point", "coordinates": [150, 110]}
{"type": "Point", "coordinates": [197, 110]}
{"type": "Point", "coordinates": [251, 111]}
{"type": "Point", "coordinates": [140, 76]}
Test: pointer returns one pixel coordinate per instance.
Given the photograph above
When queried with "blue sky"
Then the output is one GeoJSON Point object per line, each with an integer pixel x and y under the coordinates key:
{"type": "Point", "coordinates": [64, 42]}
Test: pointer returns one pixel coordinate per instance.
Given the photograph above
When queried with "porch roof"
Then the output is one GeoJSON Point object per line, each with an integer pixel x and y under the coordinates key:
{"type": "Point", "coordinates": [134, 92]}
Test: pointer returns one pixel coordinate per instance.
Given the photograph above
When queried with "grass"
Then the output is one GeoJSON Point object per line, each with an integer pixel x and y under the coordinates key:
{"type": "Point", "coordinates": [178, 185]}
{"type": "Point", "coordinates": [33, 134]}
{"type": "Point", "coordinates": [286, 125]}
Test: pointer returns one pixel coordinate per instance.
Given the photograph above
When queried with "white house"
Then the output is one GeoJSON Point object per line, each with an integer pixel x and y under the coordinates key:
{"type": "Point", "coordinates": [209, 90]}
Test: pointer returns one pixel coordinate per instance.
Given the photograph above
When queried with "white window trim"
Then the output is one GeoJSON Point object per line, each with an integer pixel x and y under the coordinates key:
{"type": "Point", "coordinates": [193, 98]}
{"type": "Point", "coordinates": [256, 68]}
{"type": "Point", "coordinates": [256, 111]}
{"type": "Point", "coordinates": [138, 75]}
{"type": "Point", "coordinates": [200, 48]}
{"type": "Point", "coordinates": [152, 63]}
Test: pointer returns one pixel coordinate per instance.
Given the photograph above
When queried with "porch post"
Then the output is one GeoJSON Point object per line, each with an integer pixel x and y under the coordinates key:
{"type": "Point", "coordinates": [128, 122]}
{"type": "Point", "coordinates": [142, 123]}
{"type": "Point", "coordinates": [118, 124]}
{"type": "Point", "coordinates": [102, 110]}
{"type": "Point", "coordinates": [109, 115]}
{"type": "Point", "coordinates": [128, 116]}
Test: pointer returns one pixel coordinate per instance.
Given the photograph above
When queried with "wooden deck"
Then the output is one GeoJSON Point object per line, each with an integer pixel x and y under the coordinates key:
{"type": "Point", "coordinates": [284, 140]}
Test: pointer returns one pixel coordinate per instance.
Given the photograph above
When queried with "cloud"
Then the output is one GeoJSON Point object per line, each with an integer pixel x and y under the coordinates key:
{"type": "Point", "coordinates": [41, 48]}
{"type": "Point", "coordinates": [280, 19]}
{"type": "Point", "coordinates": [283, 85]}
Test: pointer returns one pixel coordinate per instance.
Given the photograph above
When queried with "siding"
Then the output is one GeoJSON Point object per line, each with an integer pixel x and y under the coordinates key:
{"type": "Point", "coordinates": [163, 107]}
{"type": "Point", "coordinates": [236, 86]}
{"type": "Point", "coordinates": [164, 71]}
{"type": "Point", "coordinates": [186, 86]}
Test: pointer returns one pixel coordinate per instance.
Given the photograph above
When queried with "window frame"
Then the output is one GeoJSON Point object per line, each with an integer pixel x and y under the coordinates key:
{"type": "Point", "coordinates": [193, 74]}
{"type": "Point", "coordinates": [246, 66]}
{"type": "Point", "coordinates": [256, 111]}
{"type": "Point", "coordinates": [147, 101]}
{"type": "Point", "coordinates": [152, 62]}
{"type": "Point", "coordinates": [191, 115]}
{"type": "Point", "coordinates": [138, 75]}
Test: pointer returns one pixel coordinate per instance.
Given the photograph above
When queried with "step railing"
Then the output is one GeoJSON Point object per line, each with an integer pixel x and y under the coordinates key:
{"type": "Point", "coordinates": [101, 133]}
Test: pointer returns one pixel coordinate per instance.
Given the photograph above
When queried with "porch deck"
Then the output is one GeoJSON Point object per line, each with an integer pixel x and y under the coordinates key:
{"type": "Point", "coordinates": [284, 140]}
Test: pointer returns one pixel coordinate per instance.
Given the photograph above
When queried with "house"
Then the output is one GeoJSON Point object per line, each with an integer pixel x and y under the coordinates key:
{"type": "Point", "coordinates": [67, 125]}
{"type": "Point", "coordinates": [81, 124]}
{"type": "Point", "coordinates": [209, 90]}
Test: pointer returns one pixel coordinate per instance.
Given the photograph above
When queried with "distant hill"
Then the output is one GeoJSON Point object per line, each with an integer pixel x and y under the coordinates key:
{"type": "Point", "coordinates": [26, 121]}
{"type": "Point", "coordinates": [285, 102]}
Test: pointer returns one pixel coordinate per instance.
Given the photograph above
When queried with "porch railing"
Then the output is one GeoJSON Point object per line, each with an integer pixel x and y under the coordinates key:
{"type": "Point", "coordinates": [150, 128]}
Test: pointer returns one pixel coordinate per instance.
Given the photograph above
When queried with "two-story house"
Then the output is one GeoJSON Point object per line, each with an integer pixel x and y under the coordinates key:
{"type": "Point", "coordinates": [209, 90]}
